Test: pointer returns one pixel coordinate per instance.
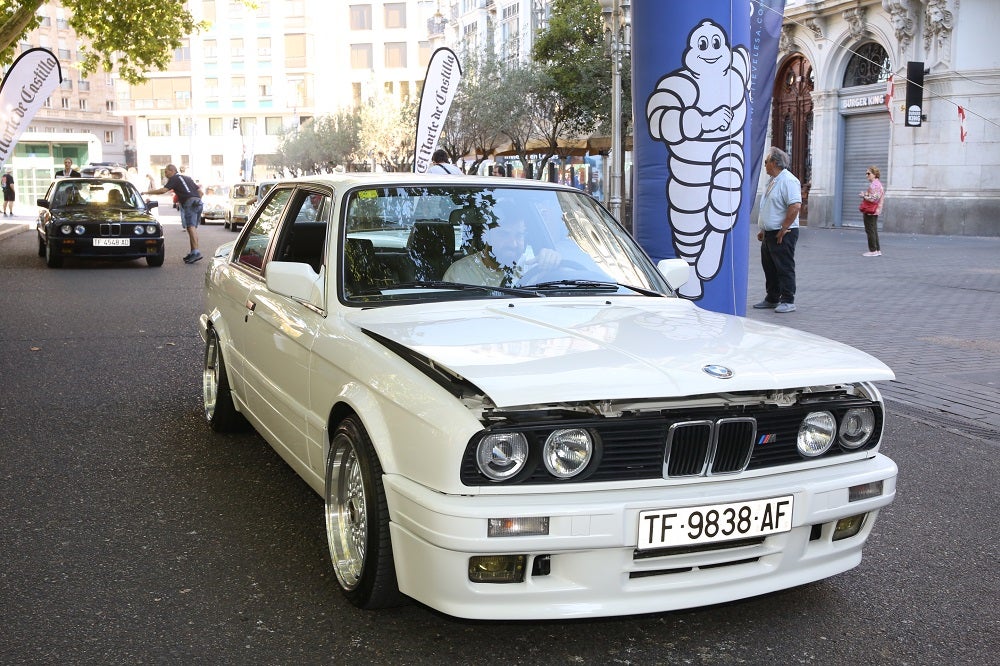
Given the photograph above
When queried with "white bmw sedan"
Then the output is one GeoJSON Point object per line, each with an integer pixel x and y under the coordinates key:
{"type": "Point", "coordinates": [510, 415]}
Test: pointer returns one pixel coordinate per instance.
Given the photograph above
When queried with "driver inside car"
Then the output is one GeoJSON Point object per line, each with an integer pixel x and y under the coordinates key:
{"type": "Point", "coordinates": [504, 259]}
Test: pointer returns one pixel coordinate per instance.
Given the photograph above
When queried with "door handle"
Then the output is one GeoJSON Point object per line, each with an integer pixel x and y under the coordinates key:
{"type": "Point", "coordinates": [250, 305]}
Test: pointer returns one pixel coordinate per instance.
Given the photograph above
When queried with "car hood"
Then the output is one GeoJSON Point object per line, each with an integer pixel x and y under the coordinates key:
{"type": "Point", "coordinates": [564, 350]}
{"type": "Point", "coordinates": [124, 215]}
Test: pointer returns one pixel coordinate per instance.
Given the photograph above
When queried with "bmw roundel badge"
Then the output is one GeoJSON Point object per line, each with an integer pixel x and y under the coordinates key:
{"type": "Point", "coordinates": [720, 371]}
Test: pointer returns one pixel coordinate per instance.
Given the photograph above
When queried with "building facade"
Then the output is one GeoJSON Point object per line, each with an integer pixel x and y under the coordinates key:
{"type": "Point", "coordinates": [79, 120]}
{"type": "Point", "coordinates": [836, 112]}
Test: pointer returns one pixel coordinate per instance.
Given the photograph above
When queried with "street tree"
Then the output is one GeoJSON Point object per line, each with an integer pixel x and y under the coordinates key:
{"type": "Point", "coordinates": [388, 127]}
{"type": "Point", "coordinates": [130, 37]}
{"type": "Point", "coordinates": [320, 144]}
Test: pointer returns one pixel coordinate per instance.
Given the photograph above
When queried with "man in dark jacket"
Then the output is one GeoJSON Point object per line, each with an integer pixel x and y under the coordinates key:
{"type": "Point", "coordinates": [189, 197]}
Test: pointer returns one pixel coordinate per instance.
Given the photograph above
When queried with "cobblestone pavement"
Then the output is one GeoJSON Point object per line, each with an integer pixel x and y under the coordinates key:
{"type": "Point", "coordinates": [929, 308]}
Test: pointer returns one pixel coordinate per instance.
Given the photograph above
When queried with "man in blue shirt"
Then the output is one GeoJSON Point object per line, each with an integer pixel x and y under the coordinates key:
{"type": "Point", "coordinates": [778, 231]}
{"type": "Point", "coordinates": [189, 197]}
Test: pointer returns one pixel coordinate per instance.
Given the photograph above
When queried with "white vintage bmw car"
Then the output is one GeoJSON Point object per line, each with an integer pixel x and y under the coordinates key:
{"type": "Point", "coordinates": [511, 416]}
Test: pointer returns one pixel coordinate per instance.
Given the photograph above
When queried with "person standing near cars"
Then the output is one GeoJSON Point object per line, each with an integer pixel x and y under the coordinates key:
{"type": "Point", "coordinates": [7, 183]}
{"type": "Point", "coordinates": [778, 224]}
{"type": "Point", "coordinates": [189, 199]}
{"type": "Point", "coordinates": [871, 208]}
{"type": "Point", "coordinates": [441, 164]}
{"type": "Point", "coordinates": [68, 170]}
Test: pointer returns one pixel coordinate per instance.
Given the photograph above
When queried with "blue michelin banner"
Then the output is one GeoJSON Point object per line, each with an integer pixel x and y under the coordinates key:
{"type": "Point", "coordinates": [703, 74]}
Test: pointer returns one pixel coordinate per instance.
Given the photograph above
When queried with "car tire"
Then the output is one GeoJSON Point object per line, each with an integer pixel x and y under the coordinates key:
{"type": "Point", "coordinates": [52, 260]}
{"type": "Point", "coordinates": [357, 520]}
{"type": "Point", "coordinates": [41, 247]}
{"type": "Point", "coordinates": [220, 410]}
{"type": "Point", "coordinates": [154, 260]}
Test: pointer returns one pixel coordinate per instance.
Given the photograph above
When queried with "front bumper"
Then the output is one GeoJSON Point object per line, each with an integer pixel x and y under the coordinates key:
{"type": "Point", "coordinates": [594, 569]}
{"type": "Point", "coordinates": [137, 248]}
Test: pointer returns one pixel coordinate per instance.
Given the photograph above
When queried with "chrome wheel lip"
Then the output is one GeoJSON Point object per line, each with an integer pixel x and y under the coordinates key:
{"type": "Point", "coordinates": [346, 514]}
{"type": "Point", "coordinates": [210, 377]}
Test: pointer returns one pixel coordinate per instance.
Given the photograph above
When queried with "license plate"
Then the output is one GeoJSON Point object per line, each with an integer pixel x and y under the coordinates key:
{"type": "Point", "coordinates": [666, 528]}
{"type": "Point", "coordinates": [112, 242]}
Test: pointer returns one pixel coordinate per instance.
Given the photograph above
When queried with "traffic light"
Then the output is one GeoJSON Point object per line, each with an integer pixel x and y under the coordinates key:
{"type": "Point", "coordinates": [236, 123]}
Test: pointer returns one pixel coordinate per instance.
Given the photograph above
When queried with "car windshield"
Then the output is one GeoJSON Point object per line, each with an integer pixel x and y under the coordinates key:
{"type": "Point", "coordinates": [419, 243]}
{"type": "Point", "coordinates": [95, 193]}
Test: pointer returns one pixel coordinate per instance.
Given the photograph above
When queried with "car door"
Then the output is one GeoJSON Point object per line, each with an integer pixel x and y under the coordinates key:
{"type": "Point", "coordinates": [241, 274]}
{"type": "Point", "coordinates": [280, 330]}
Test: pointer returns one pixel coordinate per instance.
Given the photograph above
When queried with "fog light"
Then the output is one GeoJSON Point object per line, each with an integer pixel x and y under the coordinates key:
{"type": "Point", "coordinates": [497, 568]}
{"type": "Point", "coordinates": [848, 527]}
{"type": "Point", "coordinates": [864, 491]}
{"type": "Point", "coordinates": [509, 527]}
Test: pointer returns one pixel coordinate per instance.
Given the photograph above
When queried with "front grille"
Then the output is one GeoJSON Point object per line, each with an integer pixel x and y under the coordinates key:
{"type": "Point", "coordinates": [674, 444]}
{"type": "Point", "coordinates": [109, 229]}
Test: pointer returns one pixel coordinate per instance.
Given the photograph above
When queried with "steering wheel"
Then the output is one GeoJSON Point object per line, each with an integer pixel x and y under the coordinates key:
{"type": "Point", "coordinates": [564, 270]}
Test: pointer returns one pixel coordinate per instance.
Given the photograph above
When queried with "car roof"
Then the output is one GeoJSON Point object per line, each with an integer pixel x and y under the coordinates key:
{"type": "Point", "coordinates": [365, 179]}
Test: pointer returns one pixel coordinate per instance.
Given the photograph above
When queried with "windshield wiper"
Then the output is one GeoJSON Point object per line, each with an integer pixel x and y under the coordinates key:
{"type": "Point", "coordinates": [461, 286]}
{"type": "Point", "coordinates": [590, 284]}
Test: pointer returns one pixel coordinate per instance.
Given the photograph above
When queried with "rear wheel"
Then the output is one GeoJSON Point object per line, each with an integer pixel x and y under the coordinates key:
{"type": "Point", "coordinates": [357, 520]}
{"type": "Point", "coordinates": [220, 411]}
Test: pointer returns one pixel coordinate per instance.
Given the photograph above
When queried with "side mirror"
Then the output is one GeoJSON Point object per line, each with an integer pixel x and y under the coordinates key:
{"type": "Point", "coordinates": [150, 205]}
{"type": "Point", "coordinates": [675, 271]}
{"type": "Point", "coordinates": [43, 203]}
{"type": "Point", "coordinates": [295, 280]}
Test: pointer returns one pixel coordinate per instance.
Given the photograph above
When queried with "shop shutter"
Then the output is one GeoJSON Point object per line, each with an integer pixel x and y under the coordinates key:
{"type": "Point", "coordinates": [866, 142]}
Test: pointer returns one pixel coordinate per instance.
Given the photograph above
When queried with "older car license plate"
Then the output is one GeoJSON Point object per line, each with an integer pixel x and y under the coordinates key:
{"type": "Point", "coordinates": [111, 242]}
{"type": "Point", "coordinates": [666, 528]}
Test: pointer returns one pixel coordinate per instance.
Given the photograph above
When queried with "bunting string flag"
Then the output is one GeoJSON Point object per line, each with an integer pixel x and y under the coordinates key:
{"type": "Point", "coordinates": [888, 97]}
{"type": "Point", "coordinates": [961, 124]}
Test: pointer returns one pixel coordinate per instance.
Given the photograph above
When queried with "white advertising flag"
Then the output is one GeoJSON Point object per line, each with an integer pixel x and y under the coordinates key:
{"type": "Point", "coordinates": [443, 74]}
{"type": "Point", "coordinates": [29, 82]}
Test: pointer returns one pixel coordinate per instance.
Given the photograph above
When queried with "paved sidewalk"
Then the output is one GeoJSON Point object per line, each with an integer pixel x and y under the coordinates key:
{"type": "Point", "coordinates": [929, 308]}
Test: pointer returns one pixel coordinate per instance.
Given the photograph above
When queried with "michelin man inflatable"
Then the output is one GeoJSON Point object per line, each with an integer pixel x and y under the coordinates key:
{"type": "Point", "coordinates": [700, 112]}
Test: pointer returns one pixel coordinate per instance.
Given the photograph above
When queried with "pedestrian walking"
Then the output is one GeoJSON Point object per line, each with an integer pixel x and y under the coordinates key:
{"type": "Point", "coordinates": [871, 208]}
{"type": "Point", "coordinates": [7, 183]}
{"type": "Point", "coordinates": [189, 199]}
{"type": "Point", "coordinates": [778, 232]}
{"type": "Point", "coordinates": [441, 163]}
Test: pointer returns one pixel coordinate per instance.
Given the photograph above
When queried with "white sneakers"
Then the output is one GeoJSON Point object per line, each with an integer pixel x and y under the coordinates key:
{"type": "Point", "coordinates": [876, 253]}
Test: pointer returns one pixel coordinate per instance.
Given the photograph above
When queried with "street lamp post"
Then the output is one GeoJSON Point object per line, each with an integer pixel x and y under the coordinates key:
{"type": "Point", "coordinates": [617, 26]}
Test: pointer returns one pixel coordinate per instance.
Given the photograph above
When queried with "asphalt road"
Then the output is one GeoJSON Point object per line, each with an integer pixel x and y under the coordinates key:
{"type": "Point", "coordinates": [132, 534]}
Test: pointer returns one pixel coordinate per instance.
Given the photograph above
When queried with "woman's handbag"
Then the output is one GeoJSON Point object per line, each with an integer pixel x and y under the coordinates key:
{"type": "Point", "coordinates": [868, 207]}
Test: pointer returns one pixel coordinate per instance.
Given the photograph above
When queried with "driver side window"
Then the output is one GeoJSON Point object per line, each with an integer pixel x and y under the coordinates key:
{"type": "Point", "coordinates": [252, 248]}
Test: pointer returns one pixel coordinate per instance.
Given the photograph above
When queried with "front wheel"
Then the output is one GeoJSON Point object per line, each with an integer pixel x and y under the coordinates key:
{"type": "Point", "coordinates": [52, 260]}
{"type": "Point", "coordinates": [357, 520]}
{"type": "Point", "coordinates": [154, 260]}
{"type": "Point", "coordinates": [220, 411]}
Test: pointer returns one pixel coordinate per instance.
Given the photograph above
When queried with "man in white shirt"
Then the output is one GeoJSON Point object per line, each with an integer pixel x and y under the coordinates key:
{"type": "Point", "coordinates": [778, 231]}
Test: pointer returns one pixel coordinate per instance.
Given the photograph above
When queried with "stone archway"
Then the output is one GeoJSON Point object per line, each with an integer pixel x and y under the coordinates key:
{"type": "Point", "coordinates": [792, 120]}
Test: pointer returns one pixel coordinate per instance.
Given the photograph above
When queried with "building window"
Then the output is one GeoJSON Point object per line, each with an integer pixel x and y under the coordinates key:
{"type": "Point", "coordinates": [361, 17]}
{"type": "Point", "coordinates": [236, 48]}
{"type": "Point", "coordinates": [109, 105]}
{"type": "Point", "coordinates": [272, 125]}
{"type": "Point", "coordinates": [356, 93]}
{"type": "Point", "coordinates": [47, 103]}
{"type": "Point", "coordinates": [83, 84]}
{"type": "Point", "coordinates": [395, 15]}
{"type": "Point", "coordinates": [64, 54]}
{"type": "Point", "coordinates": [83, 105]}
{"type": "Point", "coordinates": [215, 126]}
{"type": "Point", "coordinates": [65, 102]}
{"type": "Point", "coordinates": [109, 136]}
{"type": "Point", "coordinates": [295, 51]}
{"type": "Point", "coordinates": [217, 159]}
{"type": "Point", "coordinates": [184, 52]}
{"type": "Point", "coordinates": [238, 86]}
{"type": "Point", "coordinates": [424, 53]}
{"type": "Point", "coordinates": [208, 10]}
{"type": "Point", "coordinates": [294, 8]}
{"type": "Point", "coordinates": [404, 90]}
{"type": "Point", "coordinates": [264, 47]}
{"type": "Point", "coordinates": [264, 86]}
{"type": "Point", "coordinates": [361, 56]}
{"type": "Point", "coordinates": [248, 126]}
{"type": "Point", "coordinates": [212, 88]}
{"type": "Point", "coordinates": [158, 126]}
{"type": "Point", "coordinates": [211, 48]}
{"type": "Point", "coordinates": [395, 54]}
{"type": "Point", "coordinates": [66, 84]}
{"type": "Point", "coordinates": [263, 9]}
{"type": "Point", "coordinates": [869, 64]}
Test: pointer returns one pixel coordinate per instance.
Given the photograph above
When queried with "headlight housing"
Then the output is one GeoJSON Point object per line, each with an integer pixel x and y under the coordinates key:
{"type": "Point", "coordinates": [567, 452]}
{"type": "Point", "coordinates": [66, 229]}
{"type": "Point", "coordinates": [856, 427]}
{"type": "Point", "coordinates": [501, 455]}
{"type": "Point", "coordinates": [816, 434]}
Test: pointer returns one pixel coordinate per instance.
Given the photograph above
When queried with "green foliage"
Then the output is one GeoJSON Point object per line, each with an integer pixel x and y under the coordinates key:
{"type": "Point", "coordinates": [320, 145]}
{"type": "Point", "coordinates": [131, 37]}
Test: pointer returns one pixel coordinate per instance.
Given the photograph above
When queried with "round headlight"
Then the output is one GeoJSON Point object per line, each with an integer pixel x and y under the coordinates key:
{"type": "Point", "coordinates": [857, 427]}
{"type": "Point", "coordinates": [567, 452]}
{"type": "Point", "coordinates": [80, 229]}
{"type": "Point", "coordinates": [502, 455]}
{"type": "Point", "coordinates": [816, 433]}
{"type": "Point", "coordinates": [66, 229]}
{"type": "Point", "coordinates": [151, 229]}
{"type": "Point", "coordinates": [139, 230]}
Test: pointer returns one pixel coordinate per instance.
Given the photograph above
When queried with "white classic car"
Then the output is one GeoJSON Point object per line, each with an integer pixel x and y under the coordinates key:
{"type": "Point", "coordinates": [511, 416]}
